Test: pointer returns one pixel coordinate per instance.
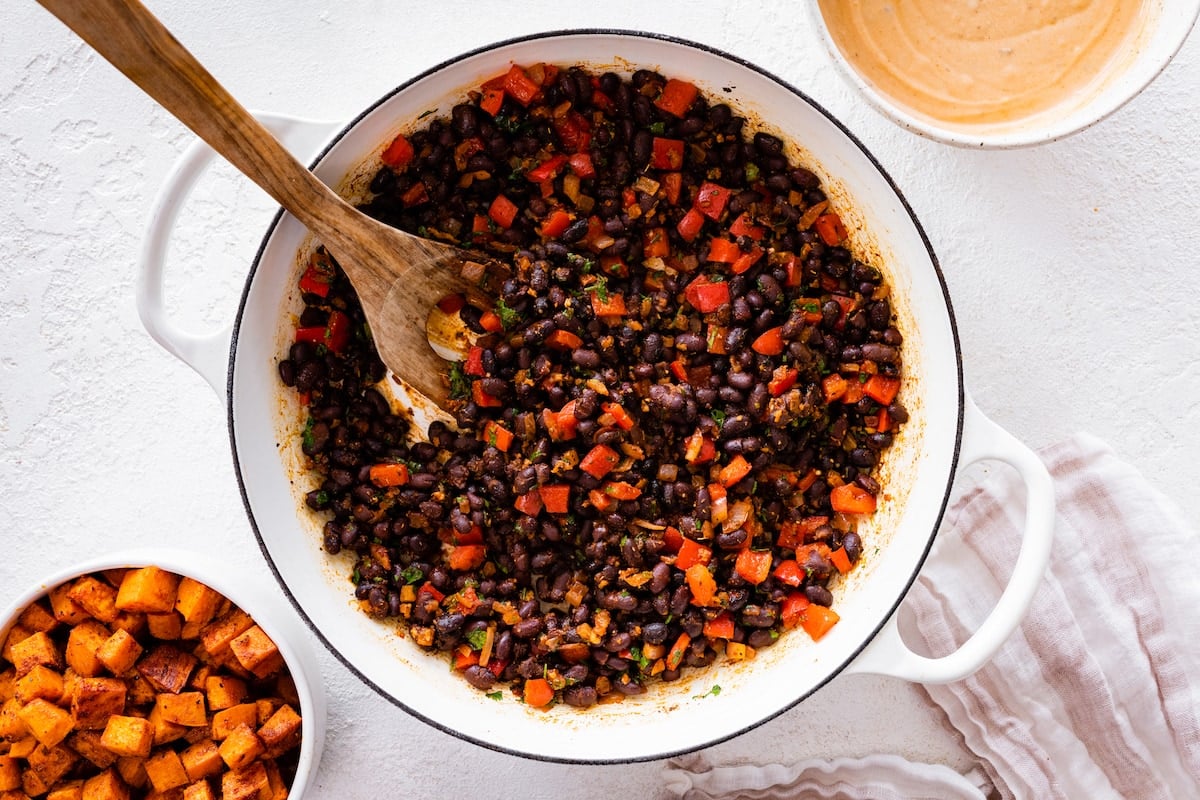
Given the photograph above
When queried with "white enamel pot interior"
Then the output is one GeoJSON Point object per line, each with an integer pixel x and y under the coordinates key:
{"type": "Point", "coordinates": [945, 430]}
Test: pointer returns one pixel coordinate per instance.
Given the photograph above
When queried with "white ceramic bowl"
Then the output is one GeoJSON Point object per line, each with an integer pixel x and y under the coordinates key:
{"type": "Point", "coordinates": [233, 582]}
{"type": "Point", "coordinates": [1165, 26]}
{"type": "Point", "coordinates": [945, 430]}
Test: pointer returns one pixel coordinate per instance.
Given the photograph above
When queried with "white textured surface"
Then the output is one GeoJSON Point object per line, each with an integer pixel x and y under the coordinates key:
{"type": "Point", "coordinates": [1071, 266]}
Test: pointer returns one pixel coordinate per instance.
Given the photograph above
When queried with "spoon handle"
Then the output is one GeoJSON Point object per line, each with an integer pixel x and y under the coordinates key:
{"type": "Point", "coordinates": [133, 40]}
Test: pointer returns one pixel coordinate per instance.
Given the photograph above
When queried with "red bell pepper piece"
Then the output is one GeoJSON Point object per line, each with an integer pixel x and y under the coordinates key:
{"type": "Point", "coordinates": [706, 296]}
{"type": "Point", "coordinates": [502, 211]}
{"type": "Point", "coordinates": [556, 497]}
{"type": "Point", "coordinates": [600, 461]}
{"type": "Point", "coordinates": [834, 387]}
{"type": "Point", "coordinates": [497, 436]}
{"type": "Point", "coordinates": [574, 132]}
{"type": "Point", "coordinates": [519, 87]}
{"type": "Point", "coordinates": [719, 627]}
{"type": "Point", "coordinates": [529, 503]}
{"type": "Point", "coordinates": [558, 221]}
{"type": "Point", "coordinates": [655, 243]}
{"type": "Point", "coordinates": [611, 305]}
{"type": "Point", "coordinates": [789, 572]}
{"type": "Point", "coordinates": [841, 560]}
{"type": "Point", "coordinates": [672, 539]}
{"type": "Point", "coordinates": [675, 655]}
{"type": "Point", "coordinates": [745, 261]}
{"type": "Point", "coordinates": [620, 490]}
{"type": "Point", "coordinates": [794, 534]}
{"type": "Point", "coordinates": [490, 321]}
{"type": "Point", "coordinates": [737, 468]}
{"type": "Point", "coordinates": [744, 226]}
{"type": "Point", "coordinates": [385, 475]}
{"type": "Point", "coordinates": [492, 100]}
{"type": "Point", "coordinates": [474, 363]}
{"type": "Point", "coordinates": [791, 611]}
{"type": "Point", "coordinates": [677, 97]}
{"type": "Point", "coordinates": [581, 164]}
{"type": "Point", "coordinates": [415, 195]}
{"type": "Point", "coordinates": [666, 153]}
{"type": "Point", "coordinates": [464, 557]}
{"type": "Point", "coordinates": [547, 169]}
{"type": "Point", "coordinates": [769, 343]}
{"type": "Point", "coordinates": [850, 498]}
{"type": "Point", "coordinates": [818, 620]}
{"type": "Point", "coordinates": [563, 340]}
{"type": "Point", "coordinates": [723, 251]}
{"type": "Point", "coordinates": [690, 224]}
{"type": "Point", "coordinates": [317, 277]}
{"type": "Point", "coordinates": [782, 379]}
{"type": "Point", "coordinates": [537, 692]}
{"type": "Point", "coordinates": [830, 228]}
{"type": "Point", "coordinates": [398, 154]}
{"type": "Point", "coordinates": [712, 199]}
{"type": "Point", "coordinates": [701, 584]}
{"type": "Point", "coordinates": [753, 566]}
{"type": "Point", "coordinates": [882, 389]}
{"type": "Point", "coordinates": [691, 553]}
{"type": "Point", "coordinates": [620, 416]}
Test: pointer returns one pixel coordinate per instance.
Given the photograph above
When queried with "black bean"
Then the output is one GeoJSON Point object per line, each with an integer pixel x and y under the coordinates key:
{"type": "Point", "coordinates": [818, 595]}
{"type": "Point", "coordinates": [479, 677]}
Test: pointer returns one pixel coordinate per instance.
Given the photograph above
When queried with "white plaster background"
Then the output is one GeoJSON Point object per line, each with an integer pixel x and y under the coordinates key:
{"type": "Point", "coordinates": [1072, 268]}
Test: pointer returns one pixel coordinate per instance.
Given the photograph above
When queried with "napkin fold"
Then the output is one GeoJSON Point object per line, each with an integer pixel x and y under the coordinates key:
{"type": "Point", "coordinates": [1097, 695]}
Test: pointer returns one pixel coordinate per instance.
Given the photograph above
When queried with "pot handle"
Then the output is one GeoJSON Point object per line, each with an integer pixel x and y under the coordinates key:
{"type": "Point", "coordinates": [887, 654]}
{"type": "Point", "coordinates": [208, 352]}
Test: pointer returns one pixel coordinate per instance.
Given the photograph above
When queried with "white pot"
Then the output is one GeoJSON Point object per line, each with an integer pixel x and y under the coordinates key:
{"type": "Point", "coordinates": [946, 431]}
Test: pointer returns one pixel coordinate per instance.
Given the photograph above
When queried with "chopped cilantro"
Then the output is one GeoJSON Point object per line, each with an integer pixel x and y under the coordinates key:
{"type": "Point", "coordinates": [863, 377]}
{"type": "Point", "coordinates": [495, 695]}
{"type": "Point", "coordinates": [460, 387]}
{"type": "Point", "coordinates": [751, 172]}
{"type": "Point", "coordinates": [476, 639]}
{"type": "Point", "coordinates": [412, 574]}
{"type": "Point", "coordinates": [658, 128]}
{"type": "Point", "coordinates": [356, 576]}
{"type": "Point", "coordinates": [635, 653]}
{"type": "Point", "coordinates": [508, 317]}
{"type": "Point", "coordinates": [600, 287]}
{"type": "Point", "coordinates": [718, 416]}
{"type": "Point", "coordinates": [714, 691]}
{"type": "Point", "coordinates": [584, 265]}
{"type": "Point", "coordinates": [307, 435]}
{"type": "Point", "coordinates": [427, 112]}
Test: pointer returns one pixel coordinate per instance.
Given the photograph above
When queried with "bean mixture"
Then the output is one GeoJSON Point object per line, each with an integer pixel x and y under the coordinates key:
{"type": "Point", "coordinates": [666, 431]}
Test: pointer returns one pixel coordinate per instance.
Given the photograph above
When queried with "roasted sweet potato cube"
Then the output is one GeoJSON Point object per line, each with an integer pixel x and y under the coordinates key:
{"type": "Point", "coordinates": [10, 773]}
{"type": "Point", "coordinates": [94, 700]}
{"type": "Point", "coordinates": [132, 622]}
{"type": "Point", "coordinates": [128, 736]}
{"type": "Point", "coordinates": [87, 744]}
{"type": "Point", "coordinates": [200, 790]}
{"type": "Point", "coordinates": [105, 786]}
{"type": "Point", "coordinates": [224, 691]}
{"type": "Point", "coordinates": [217, 635]}
{"type": "Point", "coordinates": [150, 590]}
{"type": "Point", "coordinates": [241, 747]}
{"type": "Point", "coordinates": [12, 726]}
{"type": "Point", "coordinates": [52, 763]}
{"type": "Point", "coordinates": [165, 770]}
{"type": "Point", "coordinates": [164, 730]}
{"type": "Point", "coordinates": [166, 668]}
{"type": "Point", "coordinates": [226, 720]}
{"type": "Point", "coordinates": [247, 783]}
{"type": "Point", "coordinates": [200, 676]}
{"type": "Point", "coordinates": [83, 644]}
{"type": "Point", "coordinates": [95, 597]}
{"type": "Point", "coordinates": [185, 708]}
{"type": "Point", "coordinates": [65, 609]}
{"type": "Point", "coordinates": [32, 784]}
{"type": "Point", "coordinates": [167, 626]}
{"type": "Point", "coordinates": [265, 708]}
{"type": "Point", "coordinates": [40, 682]}
{"type": "Point", "coordinates": [8, 684]}
{"type": "Point", "coordinates": [169, 794]}
{"type": "Point", "coordinates": [67, 790]}
{"type": "Point", "coordinates": [132, 770]}
{"type": "Point", "coordinates": [196, 602]}
{"type": "Point", "coordinates": [37, 648]}
{"type": "Point", "coordinates": [281, 732]}
{"type": "Point", "coordinates": [16, 634]}
{"type": "Point", "coordinates": [279, 789]}
{"type": "Point", "coordinates": [141, 693]}
{"type": "Point", "coordinates": [119, 652]}
{"type": "Point", "coordinates": [23, 747]}
{"type": "Point", "coordinates": [202, 760]}
{"type": "Point", "coordinates": [37, 618]}
{"type": "Point", "coordinates": [256, 652]}
{"type": "Point", "coordinates": [46, 721]}
{"type": "Point", "coordinates": [15, 794]}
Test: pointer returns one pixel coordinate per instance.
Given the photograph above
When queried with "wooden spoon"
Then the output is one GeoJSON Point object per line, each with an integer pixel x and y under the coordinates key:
{"type": "Point", "coordinates": [398, 277]}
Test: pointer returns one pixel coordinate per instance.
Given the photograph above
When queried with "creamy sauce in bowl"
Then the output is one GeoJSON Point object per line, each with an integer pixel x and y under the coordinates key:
{"type": "Point", "coordinates": [982, 62]}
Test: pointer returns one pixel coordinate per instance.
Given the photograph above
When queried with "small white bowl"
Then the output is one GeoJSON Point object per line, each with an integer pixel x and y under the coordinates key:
{"type": "Point", "coordinates": [274, 617]}
{"type": "Point", "coordinates": [1165, 27]}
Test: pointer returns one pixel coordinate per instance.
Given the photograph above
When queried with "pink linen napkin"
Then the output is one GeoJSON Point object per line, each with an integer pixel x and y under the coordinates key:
{"type": "Point", "coordinates": [1097, 695]}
